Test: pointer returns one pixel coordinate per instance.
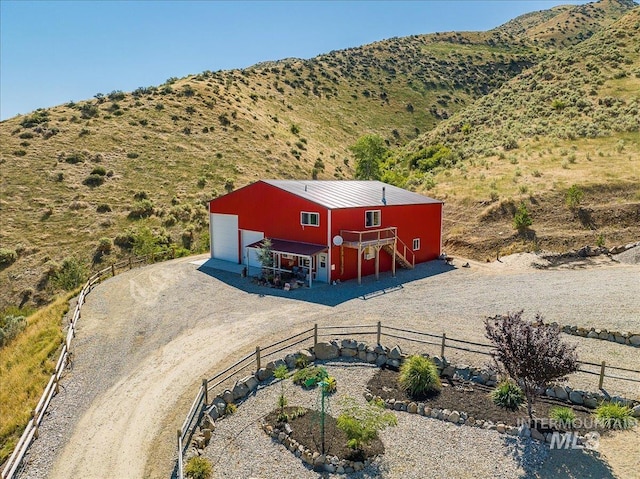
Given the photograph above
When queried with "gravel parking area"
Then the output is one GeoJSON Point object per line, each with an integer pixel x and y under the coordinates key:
{"type": "Point", "coordinates": [147, 337]}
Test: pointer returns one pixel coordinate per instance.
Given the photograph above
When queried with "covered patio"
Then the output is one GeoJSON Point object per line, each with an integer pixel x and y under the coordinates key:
{"type": "Point", "coordinates": [292, 258]}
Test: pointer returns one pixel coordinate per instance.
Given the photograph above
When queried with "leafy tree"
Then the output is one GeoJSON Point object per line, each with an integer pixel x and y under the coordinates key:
{"type": "Point", "coordinates": [361, 424]}
{"type": "Point", "coordinates": [369, 151]}
{"type": "Point", "coordinates": [532, 354]}
{"type": "Point", "coordinates": [265, 255]}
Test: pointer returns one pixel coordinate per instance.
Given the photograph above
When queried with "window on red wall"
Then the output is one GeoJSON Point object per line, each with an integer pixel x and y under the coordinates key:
{"type": "Point", "coordinates": [372, 218]}
{"type": "Point", "coordinates": [309, 219]}
{"type": "Point", "coordinates": [416, 244]}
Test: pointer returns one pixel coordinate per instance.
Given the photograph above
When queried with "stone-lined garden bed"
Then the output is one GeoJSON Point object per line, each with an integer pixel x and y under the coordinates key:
{"type": "Point", "coordinates": [481, 378]}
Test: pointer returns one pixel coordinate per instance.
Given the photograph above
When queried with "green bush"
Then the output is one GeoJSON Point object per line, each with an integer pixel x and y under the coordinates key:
{"type": "Point", "coordinates": [99, 170]}
{"type": "Point", "coordinates": [103, 208]}
{"type": "Point", "coordinates": [419, 375]}
{"type": "Point", "coordinates": [508, 395]}
{"type": "Point", "coordinates": [105, 245]}
{"type": "Point", "coordinates": [564, 415]}
{"type": "Point", "coordinates": [574, 197]}
{"type": "Point", "coordinates": [615, 416]}
{"type": "Point", "coordinates": [310, 376]}
{"type": "Point", "coordinates": [141, 209]}
{"type": "Point", "coordinates": [93, 180]}
{"type": "Point", "coordinates": [362, 423]}
{"type": "Point", "coordinates": [522, 220]}
{"type": "Point", "coordinates": [7, 256]}
{"type": "Point", "coordinates": [330, 385]}
{"type": "Point", "coordinates": [72, 274]}
{"type": "Point", "coordinates": [10, 327]}
{"type": "Point", "coordinates": [198, 467]}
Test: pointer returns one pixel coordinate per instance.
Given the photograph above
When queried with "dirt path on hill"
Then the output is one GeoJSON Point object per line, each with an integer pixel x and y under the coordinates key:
{"type": "Point", "coordinates": [147, 337]}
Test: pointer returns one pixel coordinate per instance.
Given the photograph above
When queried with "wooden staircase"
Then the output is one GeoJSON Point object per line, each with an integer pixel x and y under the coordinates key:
{"type": "Point", "coordinates": [401, 259]}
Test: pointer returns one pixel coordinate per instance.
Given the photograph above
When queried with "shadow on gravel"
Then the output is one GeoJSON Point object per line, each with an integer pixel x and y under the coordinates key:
{"type": "Point", "coordinates": [327, 294]}
{"type": "Point", "coordinates": [538, 462]}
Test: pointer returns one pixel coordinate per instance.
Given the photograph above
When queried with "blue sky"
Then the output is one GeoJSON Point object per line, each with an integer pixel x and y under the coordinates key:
{"type": "Point", "coordinates": [52, 52]}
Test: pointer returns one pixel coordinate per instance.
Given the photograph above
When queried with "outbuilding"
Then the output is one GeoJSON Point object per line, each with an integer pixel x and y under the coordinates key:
{"type": "Point", "coordinates": [326, 230]}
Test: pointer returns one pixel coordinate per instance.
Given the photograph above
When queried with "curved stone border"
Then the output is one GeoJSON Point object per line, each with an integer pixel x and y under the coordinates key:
{"type": "Point", "coordinates": [380, 356]}
{"type": "Point", "coordinates": [624, 337]}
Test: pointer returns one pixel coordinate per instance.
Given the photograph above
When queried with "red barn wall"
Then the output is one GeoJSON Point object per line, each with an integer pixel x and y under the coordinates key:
{"type": "Point", "coordinates": [413, 221]}
{"type": "Point", "coordinates": [262, 207]}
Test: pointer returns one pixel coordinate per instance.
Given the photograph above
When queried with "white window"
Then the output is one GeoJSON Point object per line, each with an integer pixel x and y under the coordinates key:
{"type": "Point", "coordinates": [309, 219]}
{"type": "Point", "coordinates": [372, 218]}
{"type": "Point", "coordinates": [416, 244]}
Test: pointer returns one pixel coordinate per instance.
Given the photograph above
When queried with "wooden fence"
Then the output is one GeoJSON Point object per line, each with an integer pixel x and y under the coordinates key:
{"type": "Point", "coordinates": [31, 431]}
{"type": "Point", "coordinates": [254, 360]}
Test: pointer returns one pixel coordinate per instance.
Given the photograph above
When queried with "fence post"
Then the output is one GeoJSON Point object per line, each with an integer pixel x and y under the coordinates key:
{"type": "Point", "coordinates": [113, 270]}
{"type": "Point", "coordinates": [315, 335]}
{"type": "Point", "coordinates": [442, 346]}
{"type": "Point", "coordinates": [379, 331]}
{"type": "Point", "coordinates": [601, 375]}
{"type": "Point", "coordinates": [257, 358]}
{"type": "Point", "coordinates": [205, 386]}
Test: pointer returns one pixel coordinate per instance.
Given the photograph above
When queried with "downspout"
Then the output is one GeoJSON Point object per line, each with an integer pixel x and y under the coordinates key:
{"type": "Point", "coordinates": [329, 245]}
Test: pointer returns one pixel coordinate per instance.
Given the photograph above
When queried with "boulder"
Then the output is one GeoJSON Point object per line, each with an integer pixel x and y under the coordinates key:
{"type": "Point", "coordinates": [251, 382]}
{"type": "Point", "coordinates": [635, 412]}
{"type": "Point", "coordinates": [325, 350]}
{"type": "Point", "coordinates": [272, 365]}
{"type": "Point", "coordinates": [290, 360]}
{"type": "Point", "coordinates": [590, 401]}
{"type": "Point", "coordinates": [501, 428]}
{"type": "Point", "coordinates": [264, 373]}
{"type": "Point", "coordinates": [454, 417]}
{"type": "Point", "coordinates": [362, 355]}
{"type": "Point", "coordinates": [537, 435]}
{"type": "Point", "coordinates": [227, 396]}
{"type": "Point", "coordinates": [412, 408]}
{"type": "Point", "coordinates": [240, 390]}
{"type": "Point", "coordinates": [381, 359]}
{"type": "Point", "coordinates": [213, 412]}
{"type": "Point", "coordinates": [379, 349]}
{"type": "Point", "coordinates": [592, 335]}
{"type": "Point", "coordinates": [603, 334]}
{"type": "Point", "coordinates": [634, 340]}
{"type": "Point", "coordinates": [448, 371]}
{"type": "Point", "coordinates": [550, 393]}
{"type": "Point", "coordinates": [395, 353]}
{"type": "Point", "coordinates": [620, 339]}
{"type": "Point", "coordinates": [308, 355]}
{"type": "Point", "coordinates": [576, 397]}
{"type": "Point", "coordinates": [560, 393]}
{"type": "Point", "coordinates": [463, 372]}
{"type": "Point", "coordinates": [371, 357]}
{"type": "Point", "coordinates": [348, 353]}
{"type": "Point", "coordinates": [349, 344]}
{"type": "Point", "coordinates": [393, 363]}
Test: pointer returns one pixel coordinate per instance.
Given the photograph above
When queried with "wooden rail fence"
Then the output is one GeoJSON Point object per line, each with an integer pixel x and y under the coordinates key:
{"type": "Point", "coordinates": [441, 342]}
{"type": "Point", "coordinates": [31, 431]}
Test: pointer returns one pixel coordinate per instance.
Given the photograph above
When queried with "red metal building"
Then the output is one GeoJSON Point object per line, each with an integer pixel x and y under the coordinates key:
{"type": "Point", "coordinates": [327, 230]}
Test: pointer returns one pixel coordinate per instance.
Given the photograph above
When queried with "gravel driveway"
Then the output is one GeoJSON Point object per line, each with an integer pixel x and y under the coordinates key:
{"type": "Point", "coordinates": [147, 337]}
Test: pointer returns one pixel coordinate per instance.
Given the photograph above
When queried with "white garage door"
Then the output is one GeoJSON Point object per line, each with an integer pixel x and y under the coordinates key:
{"type": "Point", "coordinates": [224, 237]}
{"type": "Point", "coordinates": [249, 237]}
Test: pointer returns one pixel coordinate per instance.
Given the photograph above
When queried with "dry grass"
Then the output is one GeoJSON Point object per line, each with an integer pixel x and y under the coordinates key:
{"type": "Point", "coordinates": [26, 365]}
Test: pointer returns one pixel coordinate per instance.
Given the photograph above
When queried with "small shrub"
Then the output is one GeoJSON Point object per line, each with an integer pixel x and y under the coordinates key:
{"type": "Point", "coordinates": [7, 256]}
{"type": "Point", "coordinates": [508, 395]}
{"type": "Point", "coordinates": [10, 327]}
{"type": "Point", "coordinates": [330, 385]}
{"type": "Point", "coordinates": [230, 408]}
{"type": "Point", "coordinates": [93, 180]}
{"type": "Point", "coordinates": [281, 373]}
{"type": "Point", "coordinates": [522, 220]}
{"type": "Point", "coordinates": [295, 129]}
{"type": "Point", "coordinates": [574, 197]}
{"type": "Point", "coordinates": [72, 274]}
{"type": "Point", "coordinates": [361, 424]}
{"type": "Point", "coordinates": [99, 170]}
{"type": "Point", "coordinates": [132, 155]}
{"type": "Point", "coordinates": [600, 242]}
{"type": "Point", "coordinates": [614, 416]}
{"type": "Point", "coordinates": [302, 362]}
{"type": "Point", "coordinates": [103, 208]}
{"type": "Point", "coordinates": [141, 195]}
{"type": "Point", "coordinates": [141, 209]}
{"type": "Point", "coordinates": [419, 375]}
{"type": "Point", "coordinates": [310, 376]}
{"type": "Point", "coordinates": [105, 245]}
{"type": "Point", "coordinates": [20, 153]}
{"type": "Point", "coordinates": [564, 415]}
{"type": "Point", "coordinates": [198, 467]}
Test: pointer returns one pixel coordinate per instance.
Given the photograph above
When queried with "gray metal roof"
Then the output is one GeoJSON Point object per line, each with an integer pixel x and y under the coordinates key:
{"type": "Point", "coordinates": [335, 194]}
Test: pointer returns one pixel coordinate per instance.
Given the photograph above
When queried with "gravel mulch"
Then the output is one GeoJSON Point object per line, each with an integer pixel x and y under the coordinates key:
{"type": "Point", "coordinates": [418, 447]}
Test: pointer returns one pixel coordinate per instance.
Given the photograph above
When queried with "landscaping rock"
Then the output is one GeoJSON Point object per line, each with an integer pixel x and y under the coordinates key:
{"type": "Point", "coordinates": [362, 355]}
{"type": "Point", "coordinates": [272, 365]}
{"type": "Point", "coordinates": [560, 393]}
{"type": "Point", "coordinates": [448, 371]}
{"type": "Point", "coordinates": [349, 343]}
{"type": "Point", "coordinates": [635, 412]}
{"type": "Point", "coordinates": [308, 355]}
{"type": "Point", "coordinates": [348, 353]}
{"type": "Point", "coordinates": [537, 435]}
{"type": "Point", "coordinates": [381, 359]}
{"type": "Point", "coordinates": [393, 363]}
{"type": "Point", "coordinates": [227, 396]}
{"type": "Point", "coordinates": [454, 417]}
{"type": "Point", "coordinates": [590, 401]}
{"type": "Point", "coordinates": [592, 335]}
{"type": "Point", "coordinates": [371, 357]}
{"type": "Point", "coordinates": [290, 360]}
{"type": "Point", "coordinates": [501, 428]}
{"type": "Point", "coordinates": [620, 339]}
{"type": "Point", "coordinates": [264, 373]}
{"type": "Point", "coordinates": [395, 353]}
{"type": "Point", "coordinates": [576, 397]}
{"type": "Point", "coordinates": [635, 340]}
{"type": "Point", "coordinates": [412, 408]}
{"type": "Point", "coordinates": [326, 351]}
{"type": "Point", "coordinates": [550, 393]}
